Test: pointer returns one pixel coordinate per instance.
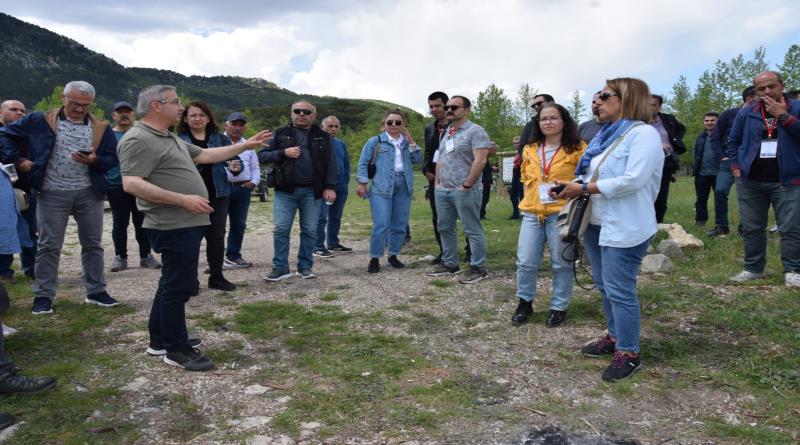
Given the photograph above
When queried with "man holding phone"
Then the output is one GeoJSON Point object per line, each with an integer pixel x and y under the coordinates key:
{"type": "Point", "coordinates": [68, 154]}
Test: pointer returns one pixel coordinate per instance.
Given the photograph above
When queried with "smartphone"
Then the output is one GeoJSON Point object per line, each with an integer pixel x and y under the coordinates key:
{"type": "Point", "coordinates": [85, 152]}
{"type": "Point", "coordinates": [557, 189]}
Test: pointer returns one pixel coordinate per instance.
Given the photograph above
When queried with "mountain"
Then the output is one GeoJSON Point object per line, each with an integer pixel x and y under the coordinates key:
{"type": "Point", "coordinates": [34, 60]}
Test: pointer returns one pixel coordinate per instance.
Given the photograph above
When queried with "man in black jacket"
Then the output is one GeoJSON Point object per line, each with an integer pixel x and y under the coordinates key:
{"type": "Point", "coordinates": [305, 173]}
{"type": "Point", "coordinates": [433, 133]}
{"type": "Point", "coordinates": [671, 132]}
{"type": "Point", "coordinates": [704, 168]}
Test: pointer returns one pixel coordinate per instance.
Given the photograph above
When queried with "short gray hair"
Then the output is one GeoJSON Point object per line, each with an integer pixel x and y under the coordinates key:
{"type": "Point", "coordinates": [149, 95]}
{"type": "Point", "coordinates": [82, 86]}
{"type": "Point", "coordinates": [331, 118]}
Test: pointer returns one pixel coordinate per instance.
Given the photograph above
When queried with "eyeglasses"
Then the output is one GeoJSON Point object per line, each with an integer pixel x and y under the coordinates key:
{"type": "Point", "coordinates": [537, 104]}
{"type": "Point", "coordinates": [550, 119]}
{"type": "Point", "coordinates": [78, 105]}
{"type": "Point", "coordinates": [176, 101]}
{"type": "Point", "coordinates": [302, 111]}
{"type": "Point", "coordinates": [452, 107]}
{"type": "Point", "coordinates": [393, 123]}
{"type": "Point", "coordinates": [604, 96]}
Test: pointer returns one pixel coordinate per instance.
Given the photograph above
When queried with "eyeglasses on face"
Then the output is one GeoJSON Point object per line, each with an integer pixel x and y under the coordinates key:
{"type": "Point", "coordinates": [452, 107]}
{"type": "Point", "coordinates": [550, 119]}
{"type": "Point", "coordinates": [605, 95]}
{"type": "Point", "coordinates": [176, 101]}
{"type": "Point", "coordinates": [394, 123]}
{"type": "Point", "coordinates": [302, 111]}
{"type": "Point", "coordinates": [537, 104]}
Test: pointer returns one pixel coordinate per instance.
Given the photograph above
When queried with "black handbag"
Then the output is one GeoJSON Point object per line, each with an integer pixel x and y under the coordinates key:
{"type": "Point", "coordinates": [372, 168]}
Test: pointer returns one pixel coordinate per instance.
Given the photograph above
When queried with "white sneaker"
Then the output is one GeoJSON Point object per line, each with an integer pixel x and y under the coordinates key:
{"type": "Point", "coordinates": [8, 331]}
{"type": "Point", "coordinates": [746, 275]}
{"type": "Point", "coordinates": [792, 279]}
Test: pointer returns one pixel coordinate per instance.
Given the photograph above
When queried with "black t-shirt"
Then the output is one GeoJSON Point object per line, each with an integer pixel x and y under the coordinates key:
{"type": "Point", "coordinates": [206, 170]}
{"type": "Point", "coordinates": [766, 169]}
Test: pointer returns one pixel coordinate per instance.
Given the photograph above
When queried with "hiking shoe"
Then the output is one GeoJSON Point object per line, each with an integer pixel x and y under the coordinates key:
{"type": "Point", "coordinates": [119, 264]}
{"type": "Point", "coordinates": [604, 345]}
{"type": "Point", "coordinates": [323, 253]}
{"type": "Point", "coordinates": [555, 318]}
{"type": "Point", "coordinates": [442, 270]}
{"type": "Point", "coordinates": [189, 359]}
{"type": "Point", "coordinates": [622, 366]}
{"type": "Point", "coordinates": [306, 274]}
{"type": "Point", "coordinates": [101, 299]}
{"type": "Point", "coordinates": [718, 231]}
{"type": "Point", "coordinates": [340, 248]}
{"type": "Point", "coordinates": [11, 382]}
{"type": "Point", "coordinates": [473, 275]}
{"type": "Point", "coordinates": [437, 260]}
{"type": "Point", "coordinates": [524, 309]}
{"type": "Point", "coordinates": [157, 349]}
{"type": "Point", "coordinates": [236, 263]}
{"type": "Point", "coordinates": [149, 262]}
{"type": "Point", "coordinates": [374, 266]}
{"type": "Point", "coordinates": [792, 279]}
{"type": "Point", "coordinates": [8, 331]}
{"type": "Point", "coordinates": [42, 305]}
{"type": "Point", "coordinates": [220, 283]}
{"type": "Point", "coordinates": [278, 275]}
{"type": "Point", "coordinates": [746, 275]}
{"type": "Point", "coordinates": [394, 262]}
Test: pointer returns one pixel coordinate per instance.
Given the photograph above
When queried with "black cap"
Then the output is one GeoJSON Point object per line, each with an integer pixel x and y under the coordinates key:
{"type": "Point", "coordinates": [237, 116]}
{"type": "Point", "coordinates": [122, 104]}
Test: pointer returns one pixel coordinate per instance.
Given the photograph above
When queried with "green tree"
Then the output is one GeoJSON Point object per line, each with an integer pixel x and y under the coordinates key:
{"type": "Point", "coordinates": [55, 101]}
{"type": "Point", "coordinates": [790, 69]}
{"type": "Point", "coordinates": [494, 112]}
{"type": "Point", "coordinates": [576, 109]}
{"type": "Point", "coordinates": [522, 104]}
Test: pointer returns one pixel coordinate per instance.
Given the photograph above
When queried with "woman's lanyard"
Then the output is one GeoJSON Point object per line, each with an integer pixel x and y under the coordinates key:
{"type": "Point", "coordinates": [545, 165]}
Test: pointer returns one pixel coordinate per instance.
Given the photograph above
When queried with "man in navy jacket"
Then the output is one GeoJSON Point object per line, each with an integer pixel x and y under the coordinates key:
{"type": "Point", "coordinates": [68, 154]}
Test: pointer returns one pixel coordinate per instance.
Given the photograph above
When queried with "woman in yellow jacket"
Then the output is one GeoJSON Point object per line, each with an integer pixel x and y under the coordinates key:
{"type": "Point", "coordinates": [552, 154]}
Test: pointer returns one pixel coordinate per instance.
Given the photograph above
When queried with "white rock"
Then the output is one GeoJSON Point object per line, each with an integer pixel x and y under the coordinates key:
{"type": "Point", "coordinates": [732, 419]}
{"type": "Point", "coordinates": [501, 381]}
{"type": "Point", "coordinates": [283, 440]}
{"type": "Point", "coordinates": [677, 234]}
{"type": "Point", "coordinates": [253, 422]}
{"type": "Point", "coordinates": [284, 399]}
{"type": "Point", "coordinates": [255, 389]}
{"type": "Point", "coordinates": [656, 263]}
{"type": "Point", "coordinates": [136, 385]}
{"type": "Point", "coordinates": [259, 440]}
{"type": "Point", "coordinates": [310, 425]}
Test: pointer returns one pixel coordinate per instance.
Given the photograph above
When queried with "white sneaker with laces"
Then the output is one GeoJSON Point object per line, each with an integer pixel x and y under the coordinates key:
{"type": "Point", "coordinates": [746, 275]}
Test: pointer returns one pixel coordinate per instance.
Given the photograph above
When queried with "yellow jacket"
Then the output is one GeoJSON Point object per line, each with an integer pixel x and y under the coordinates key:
{"type": "Point", "coordinates": [562, 169]}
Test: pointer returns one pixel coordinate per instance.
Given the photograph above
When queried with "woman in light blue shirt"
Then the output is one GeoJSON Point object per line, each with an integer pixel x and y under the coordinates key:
{"type": "Point", "coordinates": [391, 188]}
{"type": "Point", "coordinates": [623, 219]}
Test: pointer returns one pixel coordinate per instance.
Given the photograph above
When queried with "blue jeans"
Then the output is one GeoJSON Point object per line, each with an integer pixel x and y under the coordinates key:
{"type": "Point", "coordinates": [238, 206]}
{"type": "Point", "coordinates": [180, 253]}
{"type": "Point", "coordinates": [533, 234]}
{"type": "Point", "coordinates": [331, 216]}
{"type": "Point", "coordinates": [722, 189]}
{"type": "Point", "coordinates": [286, 205]}
{"type": "Point", "coordinates": [614, 271]}
{"type": "Point", "coordinates": [755, 198]}
{"type": "Point", "coordinates": [389, 219]}
{"type": "Point", "coordinates": [27, 255]}
{"type": "Point", "coordinates": [466, 206]}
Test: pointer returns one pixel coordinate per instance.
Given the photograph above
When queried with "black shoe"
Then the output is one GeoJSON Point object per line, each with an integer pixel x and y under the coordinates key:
{"type": "Point", "coordinates": [718, 231]}
{"type": "Point", "coordinates": [157, 349]}
{"type": "Point", "coordinates": [513, 217]}
{"type": "Point", "coordinates": [437, 260]}
{"type": "Point", "coordinates": [394, 262]}
{"type": "Point", "coordinates": [101, 299]}
{"type": "Point", "coordinates": [622, 367]}
{"type": "Point", "coordinates": [374, 266]}
{"type": "Point", "coordinates": [603, 345]}
{"type": "Point", "coordinates": [221, 283]}
{"type": "Point", "coordinates": [699, 223]}
{"type": "Point", "coordinates": [341, 249]}
{"type": "Point", "coordinates": [189, 359]}
{"type": "Point", "coordinates": [524, 309]}
{"type": "Point", "coordinates": [11, 382]}
{"type": "Point", "coordinates": [323, 253]}
{"type": "Point", "coordinates": [6, 420]}
{"type": "Point", "coordinates": [555, 318]}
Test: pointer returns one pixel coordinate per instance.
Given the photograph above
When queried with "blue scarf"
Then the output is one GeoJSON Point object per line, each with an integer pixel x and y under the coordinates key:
{"type": "Point", "coordinates": [604, 138]}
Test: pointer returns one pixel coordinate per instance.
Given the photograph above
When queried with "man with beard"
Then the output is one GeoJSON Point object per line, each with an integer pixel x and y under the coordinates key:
{"type": "Point", "coordinates": [588, 129]}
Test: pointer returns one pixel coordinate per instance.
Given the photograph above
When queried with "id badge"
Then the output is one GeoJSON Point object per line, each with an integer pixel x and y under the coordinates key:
{"type": "Point", "coordinates": [436, 156]}
{"type": "Point", "coordinates": [544, 193]}
{"type": "Point", "coordinates": [769, 149]}
{"type": "Point", "coordinates": [449, 145]}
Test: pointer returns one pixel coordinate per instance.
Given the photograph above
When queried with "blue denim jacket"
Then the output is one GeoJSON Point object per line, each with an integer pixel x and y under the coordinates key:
{"type": "Point", "coordinates": [221, 184]}
{"type": "Point", "coordinates": [383, 182]}
{"type": "Point", "coordinates": [629, 181]}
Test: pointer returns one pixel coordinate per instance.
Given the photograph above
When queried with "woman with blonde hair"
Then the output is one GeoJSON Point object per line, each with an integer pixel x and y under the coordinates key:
{"type": "Point", "coordinates": [622, 220]}
{"type": "Point", "coordinates": [392, 153]}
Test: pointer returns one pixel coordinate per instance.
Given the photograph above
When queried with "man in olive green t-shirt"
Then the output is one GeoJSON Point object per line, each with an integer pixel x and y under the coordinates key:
{"type": "Point", "coordinates": [159, 169]}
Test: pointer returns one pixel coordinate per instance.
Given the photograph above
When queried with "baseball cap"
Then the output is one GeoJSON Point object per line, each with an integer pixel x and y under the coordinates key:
{"type": "Point", "coordinates": [122, 104]}
{"type": "Point", "coordinates": [237, 116]}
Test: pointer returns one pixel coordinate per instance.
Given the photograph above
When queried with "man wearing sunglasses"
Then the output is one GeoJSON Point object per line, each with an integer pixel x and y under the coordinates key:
{"type": "Point", "coordinates": [463, 150]}
{"type": "Point", "coordinates": [69, 152]}
{"type": "Point", "coordinates": [305, 174]}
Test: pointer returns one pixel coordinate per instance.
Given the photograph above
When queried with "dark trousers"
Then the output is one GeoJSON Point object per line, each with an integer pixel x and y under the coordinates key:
{"type": "Point", "coordinates": [215, 236]}
{"type": "Point", "coordinates": [123, 209]}
{"type": "Point", "coordinates": [432, 201]}
{"type": "Point", "coordinates": [515, 193]}
{"type": "Point", "coordinates": [703, 186]}
{"type": "Point", "coordinates": [27, 255]}
{"type": "Point", "coordinates": [663, 194]}
{"type": "Point", "coordinates": [487, 191]}
{"type": "Point", "coordinates": [180, 253]}
{"type": "Point", "coordinates": [238, 206]}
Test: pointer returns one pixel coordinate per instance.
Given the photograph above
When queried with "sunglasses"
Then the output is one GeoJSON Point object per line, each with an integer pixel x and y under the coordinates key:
{"type": "Point", "coordinates": [302, 111]}
{"type": "Point", "coordinates": [604, 96]}
{"type": "Point", "coordinates": [393, 123]}
{"type": "Point", "coordinates": [452, 107]}
{"type": "Point", "coordinates": [537, 104]}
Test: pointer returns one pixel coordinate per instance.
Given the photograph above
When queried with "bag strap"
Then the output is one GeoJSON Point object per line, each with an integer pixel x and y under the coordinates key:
{"type": "Point", "coordinates": [612, 148]}
{"type": "Point", "coordinates": [375, 149]}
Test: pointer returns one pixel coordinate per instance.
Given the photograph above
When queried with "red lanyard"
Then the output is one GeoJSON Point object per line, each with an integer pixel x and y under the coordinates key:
{"type": "Point", "coordinates": [770, 128]}
{"type": "Point", "coordinates": [545, 165]}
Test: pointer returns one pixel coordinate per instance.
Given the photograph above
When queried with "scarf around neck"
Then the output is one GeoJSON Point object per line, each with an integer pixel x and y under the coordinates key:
{"type": "Point", "coordinates": [604, 138]}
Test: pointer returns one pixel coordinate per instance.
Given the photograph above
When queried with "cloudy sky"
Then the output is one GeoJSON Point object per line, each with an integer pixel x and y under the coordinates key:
{"type": "Point", "coordinates": [401, 50]}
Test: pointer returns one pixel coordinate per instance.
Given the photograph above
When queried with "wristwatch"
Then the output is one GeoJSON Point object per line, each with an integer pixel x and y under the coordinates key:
{"type": "Point", "coordinates": [783, 117]}
{"type": "Point", "coordinates": [585, 187]}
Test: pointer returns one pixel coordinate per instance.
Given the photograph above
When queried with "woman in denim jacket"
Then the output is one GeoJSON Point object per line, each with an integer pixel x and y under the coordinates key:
{"type": "Point", "coordinates": [198, 127]}
{"type": "Point", "coordinates": [392, 185]}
